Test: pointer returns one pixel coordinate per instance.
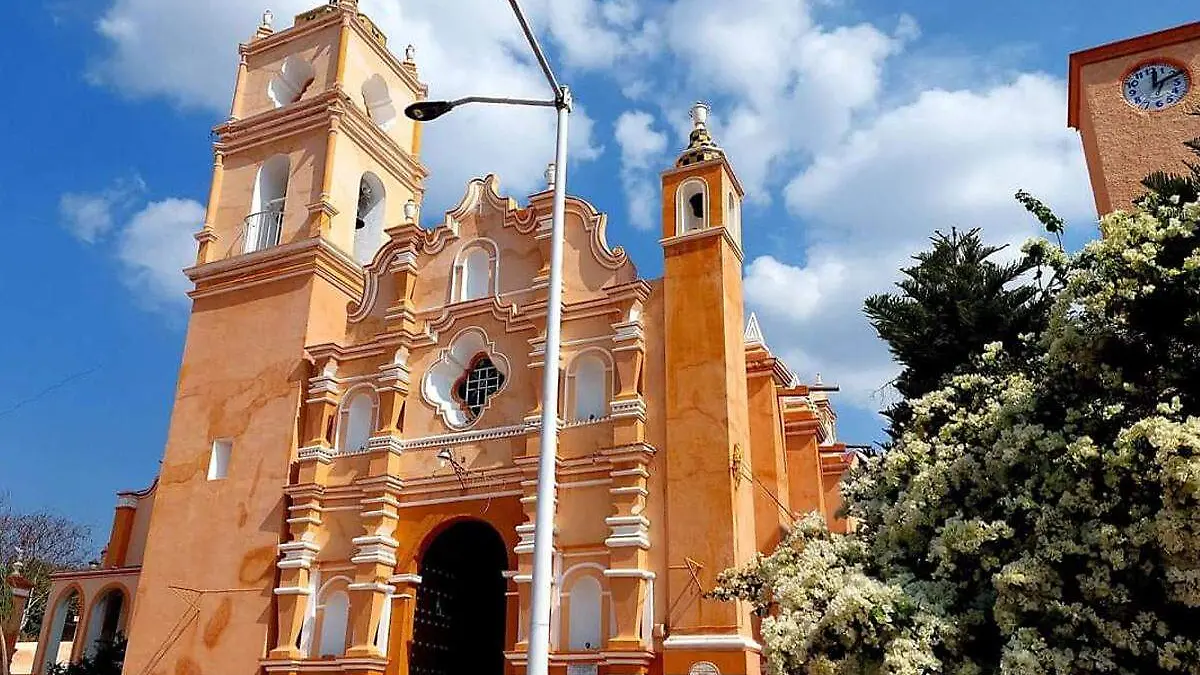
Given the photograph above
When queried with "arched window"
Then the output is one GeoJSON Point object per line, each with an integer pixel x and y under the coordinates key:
{"type": "Point", "coordinates": [333, 617]}
{"type": "Point", "coordinates": [733, 216]}
{"type": "Point", "coordinates": [584, 619]}
{"type": "Point", "coordinates": [368, 223]}
{"type": "Point", "coordinates": [691, 206]}
{"type": "Point", "coordinates": [378, 101]}
{"type": "Point", "coordinates": [589, 387]}
{"type": "Point", "coordinates": [106, 619]}
{"type": "Point", "coordinates": [265, 222]}
{"type": "Point", "coordinates": [357, 419]}
{"type": "Point", "coordinates": [474, 274]}
{"type": "Point", "coordinates": [64, 626]}
{"type": "Point", "coordinates": [294, 77]}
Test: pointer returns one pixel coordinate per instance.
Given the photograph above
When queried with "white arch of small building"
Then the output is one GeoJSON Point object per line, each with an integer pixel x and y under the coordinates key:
{"type": "Point", "coordinates": [56, 622]}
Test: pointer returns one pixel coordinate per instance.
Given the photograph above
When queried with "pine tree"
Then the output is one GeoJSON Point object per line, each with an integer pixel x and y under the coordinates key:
{"type": "Point", "coordinates": [955, 300]}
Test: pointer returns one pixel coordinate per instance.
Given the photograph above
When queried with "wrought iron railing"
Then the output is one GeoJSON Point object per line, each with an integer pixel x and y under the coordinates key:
{"type": "Point", "coordinates": [262, 229]}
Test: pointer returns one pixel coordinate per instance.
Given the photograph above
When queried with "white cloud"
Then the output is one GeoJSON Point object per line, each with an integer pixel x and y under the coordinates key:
{"type": "Point", "coordinates": [89, 216]}
{"type": "Point", "coordinates": [153, 242]}
{"type": "Point", "coordinates": [950, 158]}
{"type": "Point", "coordinates": [186, 52]}
{"type": "Point", "coordinates": [791, 86]}
{"type": "Point", "coordinates": [641, 151]}
{"type": "Point", "coordinates": [154, 248]}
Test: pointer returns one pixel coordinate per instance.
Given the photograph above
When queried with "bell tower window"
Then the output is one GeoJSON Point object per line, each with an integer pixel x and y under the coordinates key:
{"type": "Point", "coordinates": [368, 222]}
{"type": "Point", "coordinates": [481, 381]}
{"type": "Point", "coordinates": [692, 208]}
{"type": "Point", "coordinates": [265, 223]}
{"type": "Point", "coordinates": [378, 101]}
{"type": "Point", "coordinates": [294, 78]}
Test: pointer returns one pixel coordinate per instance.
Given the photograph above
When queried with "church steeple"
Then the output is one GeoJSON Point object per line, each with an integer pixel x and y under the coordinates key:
{"type": "Point", "coordinates": [707, 423]}
{"type": "Point", "coordinates": [701, 192]}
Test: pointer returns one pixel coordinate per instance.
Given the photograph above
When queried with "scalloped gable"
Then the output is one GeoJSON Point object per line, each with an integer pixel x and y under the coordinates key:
{"type": "Point", "coordinates": [520, 234]}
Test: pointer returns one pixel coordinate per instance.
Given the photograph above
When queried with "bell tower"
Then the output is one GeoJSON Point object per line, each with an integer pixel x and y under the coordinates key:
{"type": "Point", "coordinates": [710, 510]}
{"type": "Point", "coordinates": [313, 163]}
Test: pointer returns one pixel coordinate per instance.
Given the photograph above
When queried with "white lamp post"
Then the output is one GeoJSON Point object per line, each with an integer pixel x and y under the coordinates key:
{"type": "Point", "coordinates": [543, 533]}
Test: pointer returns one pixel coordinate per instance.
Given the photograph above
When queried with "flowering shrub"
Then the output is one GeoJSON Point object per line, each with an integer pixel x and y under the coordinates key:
{"type": "Point", "coordinates": [1039, 514]}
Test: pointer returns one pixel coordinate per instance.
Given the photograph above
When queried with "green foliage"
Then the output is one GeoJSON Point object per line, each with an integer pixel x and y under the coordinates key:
{"type": "Point", "coordinates": [1040, 513]}
{"type": "Point", "coordinates": [956, 299]}
{"type": "Point", "coordinates": [107, 658]}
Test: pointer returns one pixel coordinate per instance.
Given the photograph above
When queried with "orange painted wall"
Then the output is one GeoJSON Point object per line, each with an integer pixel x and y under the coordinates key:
{"type": "Point", "coordinates": [1124, 144]}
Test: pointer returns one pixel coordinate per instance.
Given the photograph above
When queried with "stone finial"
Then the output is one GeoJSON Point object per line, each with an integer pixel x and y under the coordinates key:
{"type": "Point", "coordinates": [818, 381]}
{"type": "Point", "coordinates": [551, 175]}
{"type": "Point", "coordinates": [265, 27]}
{"type": "Point", "coordinates": [699, 114]}
{"type": "Point", "coordinates": [410, 54]}
{"type": "Point", "coordinates": [701, 146]}
{"type": "Point", "coordinates": [410, 211]}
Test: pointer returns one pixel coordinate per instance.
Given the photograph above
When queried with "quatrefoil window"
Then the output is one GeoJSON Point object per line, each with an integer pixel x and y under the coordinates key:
{"type": "Point", "coordinates": [481, 381]}
{"type": "Point", "coordinates": [465, 378]}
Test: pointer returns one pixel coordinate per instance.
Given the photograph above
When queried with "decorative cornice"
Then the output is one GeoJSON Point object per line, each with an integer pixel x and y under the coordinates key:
{"type": "Point", "coordinates": [712, 642]}
{"type": "Point", "coordinates": [1115, 50]}
{"type": "Point", "coordinates": [312, 256]}
{"type": "Point", "coordinates": [629, 573]}
{"type": "Point", "coordinates": [698, 235]}
{"type": "Point", "coordinates": [98, 573]}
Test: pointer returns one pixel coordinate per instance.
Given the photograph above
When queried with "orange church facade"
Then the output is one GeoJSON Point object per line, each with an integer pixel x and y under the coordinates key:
{"type": "Point", "coordinates": [349, 480]}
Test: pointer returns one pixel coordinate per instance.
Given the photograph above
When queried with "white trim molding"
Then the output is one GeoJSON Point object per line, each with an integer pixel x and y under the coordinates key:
{"type": "Point", "coordinates": [710, 642]}
{"type": "Point", "coordinates": [405, 579]}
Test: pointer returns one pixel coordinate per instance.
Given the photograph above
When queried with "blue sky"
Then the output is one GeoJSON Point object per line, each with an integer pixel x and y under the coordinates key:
{"type": "Point", "coordinates": [859, 126]}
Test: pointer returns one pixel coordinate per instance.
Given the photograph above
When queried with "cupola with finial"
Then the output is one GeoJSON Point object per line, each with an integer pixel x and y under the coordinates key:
{"type": "Point", "coordinates": [701, 192]}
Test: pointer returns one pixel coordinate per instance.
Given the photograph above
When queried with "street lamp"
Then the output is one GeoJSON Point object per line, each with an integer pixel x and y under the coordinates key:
{"type": "Point", "coordinates": [538, 654]}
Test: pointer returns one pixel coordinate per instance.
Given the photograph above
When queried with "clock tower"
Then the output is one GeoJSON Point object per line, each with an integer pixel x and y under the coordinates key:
{"type": "Point", "coordinates": [1130, 101]}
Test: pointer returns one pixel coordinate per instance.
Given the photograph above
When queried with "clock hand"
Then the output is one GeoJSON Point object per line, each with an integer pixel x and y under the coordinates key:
{"type": "Point", "coordinates": [1161, 83]}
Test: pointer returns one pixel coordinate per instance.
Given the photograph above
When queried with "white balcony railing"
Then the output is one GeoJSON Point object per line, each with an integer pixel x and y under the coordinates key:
{"type": "Point", "coordinates": [262, 229]}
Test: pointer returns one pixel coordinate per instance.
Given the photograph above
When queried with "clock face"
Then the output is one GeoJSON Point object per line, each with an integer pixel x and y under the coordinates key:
{"type": "Point", "coordinates": [1156, 86]}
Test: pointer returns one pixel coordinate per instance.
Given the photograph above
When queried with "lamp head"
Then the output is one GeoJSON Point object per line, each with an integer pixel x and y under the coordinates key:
{"type": "Point", "coordinates": [444, 455]}
{"type": "Point", "coordinates": [425, 111]}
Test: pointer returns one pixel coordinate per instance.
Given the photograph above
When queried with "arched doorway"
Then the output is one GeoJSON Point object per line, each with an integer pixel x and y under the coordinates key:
{"type": "Point", "coordinates": [460, 615]}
